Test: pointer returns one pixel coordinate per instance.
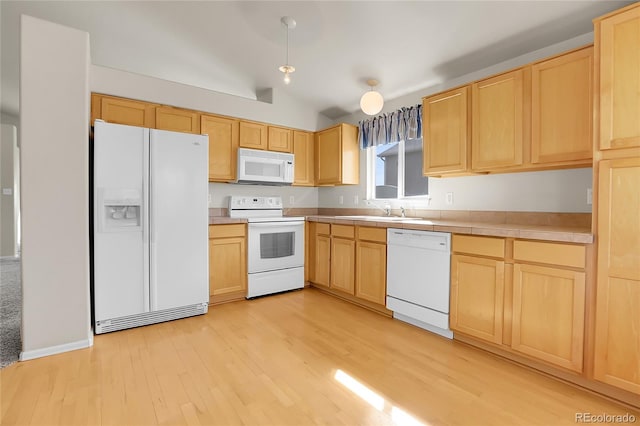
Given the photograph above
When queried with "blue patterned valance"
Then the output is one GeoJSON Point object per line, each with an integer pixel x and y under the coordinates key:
{"type": "Point", "coordinates": [403, 124]}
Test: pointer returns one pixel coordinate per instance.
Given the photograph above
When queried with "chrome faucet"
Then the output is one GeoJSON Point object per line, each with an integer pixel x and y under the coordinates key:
{"type": "Point", "coordinates": [402, 212]}
{"type": "Point", "coordinates": [387, 210]}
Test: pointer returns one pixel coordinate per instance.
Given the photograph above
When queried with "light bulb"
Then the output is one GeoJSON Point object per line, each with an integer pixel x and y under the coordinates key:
{"type": "Point", "coordinates": [371, 102]}
{"type": "Point", "coordinates": [287, 79]}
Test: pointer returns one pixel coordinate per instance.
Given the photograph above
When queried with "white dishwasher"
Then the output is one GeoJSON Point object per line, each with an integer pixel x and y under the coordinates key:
{"type": "Point", "coordinates": [418, 272]}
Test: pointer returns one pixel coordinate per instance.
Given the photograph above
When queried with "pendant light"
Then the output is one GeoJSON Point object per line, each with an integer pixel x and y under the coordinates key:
{"type": "Point", "coordinates": [371, 102]}
{"type": "Point", "coordinates": [287, 69]}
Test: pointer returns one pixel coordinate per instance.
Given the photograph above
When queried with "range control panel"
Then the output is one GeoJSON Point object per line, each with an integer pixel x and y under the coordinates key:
{"type": "Point", "coordinates": [254, 203]}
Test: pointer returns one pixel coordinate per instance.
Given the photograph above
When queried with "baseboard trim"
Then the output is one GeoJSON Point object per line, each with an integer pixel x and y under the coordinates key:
{"type": "Point", "coordinates": [53, 350]}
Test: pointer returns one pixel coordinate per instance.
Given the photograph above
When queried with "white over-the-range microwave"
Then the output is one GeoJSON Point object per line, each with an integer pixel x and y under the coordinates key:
{"type": "Point", "coordinates": [264, 167]}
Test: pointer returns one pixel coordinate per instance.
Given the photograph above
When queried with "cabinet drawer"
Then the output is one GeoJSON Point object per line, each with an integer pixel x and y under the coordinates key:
{"type": "Point", "coordinates": [225, 231]}
{"type": "Point", "coordinates": [344, 231]}
{"type": "Point", "coordinates": [368, 233]}
{"type": "Point", "coordinates": [551, 253]}
{"type": "Point", "coordinates": [323, 228]}
{"type": "Point", "coordinates": [483, 246]}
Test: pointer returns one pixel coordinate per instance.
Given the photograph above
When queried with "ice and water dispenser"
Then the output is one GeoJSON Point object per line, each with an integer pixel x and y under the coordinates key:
{"type": "Point", "coordinates": [120, 209]}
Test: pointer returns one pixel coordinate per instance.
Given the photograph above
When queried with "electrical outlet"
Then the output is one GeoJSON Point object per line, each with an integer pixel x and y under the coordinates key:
{"type": "Point", "coordinates": [209, 199]}
{"type": "Point", "coordinates": [292, 199]}
{"type": "Point", "coordinates": [449, 198]}
{"type": "Point", "coordinates": [589, 196]}
{"type": "Point", "coordinates": [341, 200]}
{"type": "Point", "coordinates": [355, 200]}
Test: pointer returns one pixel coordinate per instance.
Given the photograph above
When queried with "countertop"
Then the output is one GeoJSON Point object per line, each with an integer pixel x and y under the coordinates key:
{"type": "Point", "coordinates": [532, 232]}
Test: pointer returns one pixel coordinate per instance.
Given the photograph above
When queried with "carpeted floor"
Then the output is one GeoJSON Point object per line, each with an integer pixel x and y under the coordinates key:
{"type": "Point", "coordinates": [10, 310]}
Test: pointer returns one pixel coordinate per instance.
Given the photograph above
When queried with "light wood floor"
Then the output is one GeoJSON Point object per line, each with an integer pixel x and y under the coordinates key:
{"type": "Point", "coordinates": [275, 361]}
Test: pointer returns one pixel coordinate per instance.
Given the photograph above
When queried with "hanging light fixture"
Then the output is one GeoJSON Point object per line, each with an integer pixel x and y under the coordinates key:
{"type": "Point", "coordinates": [371, 102]}
{"type": "Point", "coordinates": [287, 69]}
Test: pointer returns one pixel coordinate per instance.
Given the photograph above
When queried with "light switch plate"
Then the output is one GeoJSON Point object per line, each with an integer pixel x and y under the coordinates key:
{"type": "Point", "coordinates": [449, 198]}
{"type": "Point", "coordinates": [7, 191]}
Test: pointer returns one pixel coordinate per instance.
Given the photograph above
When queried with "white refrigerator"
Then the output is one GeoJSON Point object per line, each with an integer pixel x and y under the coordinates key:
{"type": "Point", "coordinates": [150, 226]}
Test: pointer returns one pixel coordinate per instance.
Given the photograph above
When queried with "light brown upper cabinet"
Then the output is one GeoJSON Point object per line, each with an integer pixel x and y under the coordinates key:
{"type": "Point", "coordinates": [177, 120]}
{"type": "Point", "coordinates": [618, 37]}
{"type": "Point", "coordinates": [253, 135]}
{"type": "Point", "coordinates": [123, 111]}
{"type": "Point", "coordinates": [223, 146]}
{"type": "Point", "coordinates": [617, 332]}
{"type": "Point", "coordinates": [337, 155]}
{"type": "Point", "coordinates": [497, 121]}
{"type": "Point", "coordinates": [303, 158]}
{"type": "Point", "coordinates": [280, 139]}
{"type": "Point", "coordinates": [446, 132]}
{"type": "Point", "coordinates": [561, 109]}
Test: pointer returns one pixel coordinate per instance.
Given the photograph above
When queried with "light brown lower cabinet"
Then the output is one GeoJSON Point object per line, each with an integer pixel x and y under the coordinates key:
{"type": "Point", "coordinates": [343, 258]}
{"type": "Point", "coordinates": [320, 256]}
{"type": "Point", "coordinates": [227, 262]}
{"type": "Point", "coordinates": [477, 291]}
{"type": "Point", "coordinates": [371, 271]}
{"type": "Point", "coordinates": [524, 296]}
{"type": "Point", "coordinates": [548, 314]}
{"type": "Point", "coordinates": [350, 262]}
{"type": "Point", "coordinates": [617, 332]}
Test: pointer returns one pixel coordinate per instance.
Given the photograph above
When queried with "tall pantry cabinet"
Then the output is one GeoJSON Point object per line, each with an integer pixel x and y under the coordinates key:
{"type": "Point", "coordinates": [617, 179]}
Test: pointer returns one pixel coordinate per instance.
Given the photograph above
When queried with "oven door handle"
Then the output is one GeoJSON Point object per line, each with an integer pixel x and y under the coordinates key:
{"type": "Point", "coordinates": [275, 224]}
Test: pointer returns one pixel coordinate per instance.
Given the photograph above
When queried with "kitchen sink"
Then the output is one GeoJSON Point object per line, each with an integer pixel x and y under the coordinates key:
{"type": "Point", "coordinates": [379, 218]}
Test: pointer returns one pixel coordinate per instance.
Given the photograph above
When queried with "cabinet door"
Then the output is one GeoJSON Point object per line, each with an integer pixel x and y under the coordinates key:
{"type": "Point", "coordinates": [497, 115]}
{"type": "Point", "coordinates": [280, 139]}
{"type": "Point", "coordinates": [548, 314]}
{"type": "Point", "coordinates": [562, 108]}
{"type": "Point", "coordinates": [227, 265]}
{"type": "Point", "coordinates": [223, 146]}
{"type": "Point", "coordinates": [477, 291]}
{"type": "Point", "coordinates": [303, 158]}
{"type": "Point", "coordinates": [253, 135]}
{"type": "Point", "coordinates": [619, 65]}
{"type": "Point", "coordinates": [371, 272]}
{"type": "Point", "coordinates": [445, 132]}
{"type": "Point", "coordinates": [343, 262]}
{"type": "Point", "coordinates": [617, 337]}
{"type": "Point", "coordinates": [322, 265]}
{"type": "Point", "coordinates": [126, 111]}
{"type": "Point", "coordinates": [329, 156]}
{"type": "Point", "coordinates": [177, 120]}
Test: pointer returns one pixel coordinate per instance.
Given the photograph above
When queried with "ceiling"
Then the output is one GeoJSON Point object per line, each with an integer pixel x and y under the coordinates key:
{"type": "Point", "coordinates": [235, 47]}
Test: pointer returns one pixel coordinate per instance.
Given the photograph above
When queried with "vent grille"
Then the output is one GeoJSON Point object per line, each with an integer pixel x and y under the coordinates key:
{"type": "Point", "coordinates": [138, 320]}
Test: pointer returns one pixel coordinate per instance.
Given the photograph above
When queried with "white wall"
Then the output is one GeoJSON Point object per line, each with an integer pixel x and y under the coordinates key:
{"type": "Point", "coordinates": [8, 182]}
{"type": "Point", "coordinates": [284, 110]}
{"type": "Point", "coordinates": [54, 112]}
{"type": "Point", "coordinates": [302, 196]}
{"type": "Point", "coordinates": [547, 191]}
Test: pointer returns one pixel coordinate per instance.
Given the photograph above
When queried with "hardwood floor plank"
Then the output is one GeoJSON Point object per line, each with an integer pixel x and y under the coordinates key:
{"type": "Point", "coordinates": [299, 358]}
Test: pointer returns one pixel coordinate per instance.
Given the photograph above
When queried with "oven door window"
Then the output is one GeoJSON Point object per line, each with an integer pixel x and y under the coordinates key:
{"type": "Point", "coordinates": [277, 245]}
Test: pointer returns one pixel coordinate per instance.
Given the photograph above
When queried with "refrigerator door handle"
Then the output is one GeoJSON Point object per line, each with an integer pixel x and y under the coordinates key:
{"type": "Point", "coordinates": [153, 231]}
{"type": "Point", "coordinates": [145, 220]}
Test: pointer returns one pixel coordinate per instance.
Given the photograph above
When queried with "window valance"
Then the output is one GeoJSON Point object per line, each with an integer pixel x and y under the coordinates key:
{"type": "Point", "coordinates": [403, 124]}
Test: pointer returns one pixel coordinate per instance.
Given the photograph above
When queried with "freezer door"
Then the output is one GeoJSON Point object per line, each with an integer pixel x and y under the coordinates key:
{"type": "Point", "coordinates": [119, 198]}
{"type": "Point", "coordinates": [179, 219]}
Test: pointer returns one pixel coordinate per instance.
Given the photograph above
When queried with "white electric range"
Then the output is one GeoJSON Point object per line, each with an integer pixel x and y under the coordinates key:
{"type": "Point", "coordinates": [275, 252]}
